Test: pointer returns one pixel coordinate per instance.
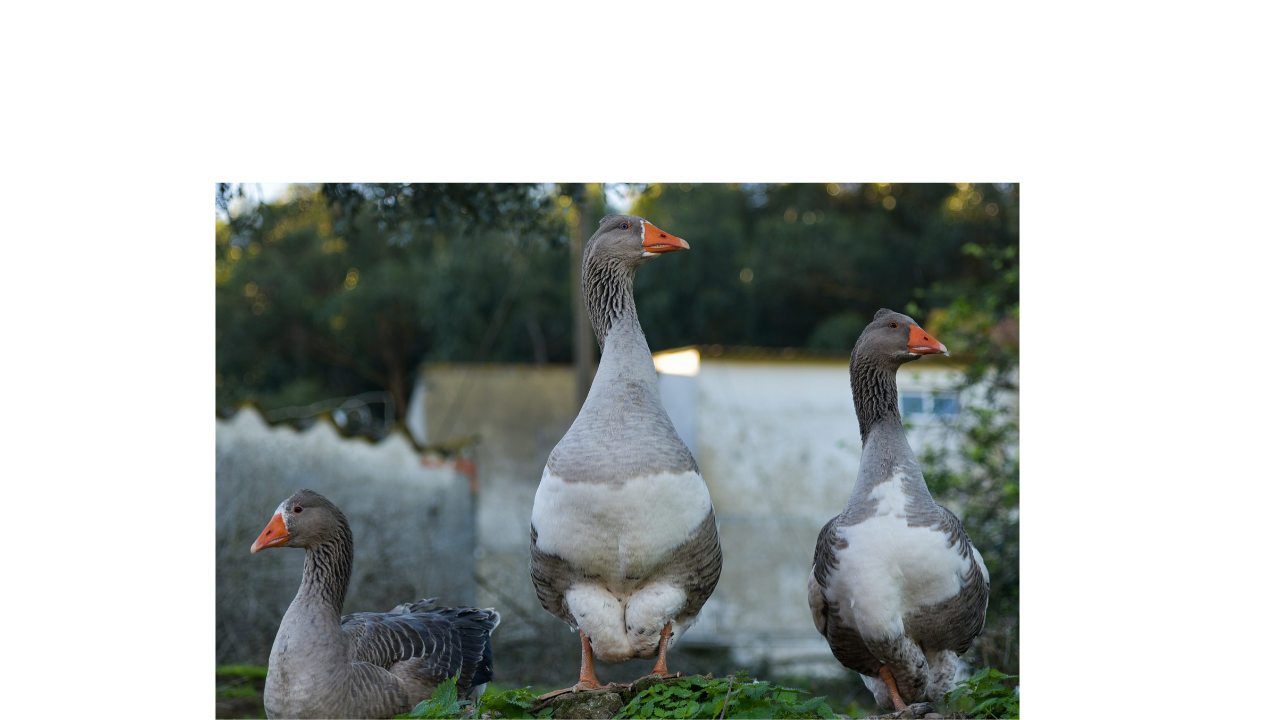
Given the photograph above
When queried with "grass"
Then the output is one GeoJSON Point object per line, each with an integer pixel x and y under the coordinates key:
{"type": "Point", "coordinates": [239, 691]}
{"type": "Point", "coordinates": [694, 696]}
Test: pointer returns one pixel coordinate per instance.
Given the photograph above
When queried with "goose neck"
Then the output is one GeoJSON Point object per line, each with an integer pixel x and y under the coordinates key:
{"type": "Point", "coordinates": [607, 291]}
{"type": "Point", "coordinates": [875, 397]}
{"type": "Point", "coordinates": [327, 573]}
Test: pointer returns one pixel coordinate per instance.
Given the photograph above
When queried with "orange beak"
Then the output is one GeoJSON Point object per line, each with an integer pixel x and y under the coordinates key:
{"type": "Point", "coordinates": [273, 536]}
{"type": "Point", "coordinates": [656, 241]}
{"type": "Point", "coordinates": [922, 343]}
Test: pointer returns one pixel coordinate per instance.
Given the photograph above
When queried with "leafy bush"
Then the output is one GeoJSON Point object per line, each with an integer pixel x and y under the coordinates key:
{"type": "Point", "coordinates": [701, 697]}
{"type": "Point", "coordinates": [985, 695]}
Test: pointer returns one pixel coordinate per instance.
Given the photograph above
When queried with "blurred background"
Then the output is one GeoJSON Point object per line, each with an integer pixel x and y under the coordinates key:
{"type": "Point", "coordinates": [415, 351]}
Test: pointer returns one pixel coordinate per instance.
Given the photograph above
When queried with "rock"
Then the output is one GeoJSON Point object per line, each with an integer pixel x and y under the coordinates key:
{"type": "Point", "coordinates": [917, 710]}
{"type": "Point", "coordinates": [601, 704]}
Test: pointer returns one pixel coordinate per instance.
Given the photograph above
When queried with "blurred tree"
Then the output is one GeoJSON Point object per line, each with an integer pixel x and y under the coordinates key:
{"type": "Point", "coordinates": [808, 265]}
{"type": "Point", "coordinates": [346, 288]}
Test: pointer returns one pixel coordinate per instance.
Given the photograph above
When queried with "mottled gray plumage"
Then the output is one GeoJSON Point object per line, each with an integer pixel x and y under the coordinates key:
{"type": "Point", "coordinates": [623, 437]}
{"type": "Point", "coordinates": [363, 665]}
{"type": "Point", "coordinates": [922, 658]}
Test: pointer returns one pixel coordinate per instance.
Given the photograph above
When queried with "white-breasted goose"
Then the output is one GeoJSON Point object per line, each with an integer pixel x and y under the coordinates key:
{"type": "Point", "coordinates": [365, 665]}
{"type": "Point", "coordinates": [897, 588]}
{"type": "Point", "coordinates": [623, 538]}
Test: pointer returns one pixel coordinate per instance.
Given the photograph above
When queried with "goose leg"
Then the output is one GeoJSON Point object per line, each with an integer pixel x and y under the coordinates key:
{"type": "Point", "coordinates": [887, 676]}
{"type": "Point", "coordinates": [661, 668]}
{"type": "Point", "coordinates": [586, 674]}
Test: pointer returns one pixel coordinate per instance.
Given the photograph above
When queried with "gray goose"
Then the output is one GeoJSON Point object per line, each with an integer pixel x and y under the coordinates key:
{"type": "Point", "coordinates": [366, 665]}
{"type": "Point", "coordinates": [623, 539]}
{"type": "Point", "coordinates": [897, 588]}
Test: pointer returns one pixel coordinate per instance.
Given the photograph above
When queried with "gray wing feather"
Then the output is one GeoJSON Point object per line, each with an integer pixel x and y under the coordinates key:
{"type": "Point", "coordinates": [551, 578]}
{"type": "Point", "coordinates": [695, 566]}
{"type": "Point", "coordinates": [953, 623]}
{"type": "Point", "coordinates": [845, 641]}
{"type": "Point", "coordinates": [426, 645]}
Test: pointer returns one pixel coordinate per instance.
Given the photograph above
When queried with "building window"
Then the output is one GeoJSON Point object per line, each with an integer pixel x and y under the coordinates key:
{"type": "Point", "coordinates": [946, 404]}
{"type": "Point", "coordinates": [912, 404]}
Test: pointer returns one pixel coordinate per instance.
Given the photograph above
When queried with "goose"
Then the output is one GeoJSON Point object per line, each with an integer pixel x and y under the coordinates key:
{"type": "Point", "coordinates": [896, 587]}
{"type": "Point", "coordinates": [366, 665]}
{"type": "Point", "coordinates": [623, 539]}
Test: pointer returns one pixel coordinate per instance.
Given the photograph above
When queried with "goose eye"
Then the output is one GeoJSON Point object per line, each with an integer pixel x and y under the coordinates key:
{"type": "Point", "coordinates": [893, 325]}
{"type": "Point", "coordinates": [297, 508]}
{"type": "Point", "coordinates": [625, 226]}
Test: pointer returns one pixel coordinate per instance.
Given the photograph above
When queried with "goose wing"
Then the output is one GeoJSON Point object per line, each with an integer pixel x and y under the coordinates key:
{"type": "Point", "coordinates": [953, 623]}
{"type": "Point", "coordinates": [551, 579]}
{"type": "Point", "coordinates": [843, 638]}
{"type": "Point", "coordinates": [427, 644]}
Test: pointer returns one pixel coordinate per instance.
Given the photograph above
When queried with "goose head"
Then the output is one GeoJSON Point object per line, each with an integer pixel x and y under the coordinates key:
{"type": "Point", "coordinates": [893, 339]}
{"type": "Point", "coordinates": [629, 241]}
{"type": "Point", "coordinates": [307, 518]}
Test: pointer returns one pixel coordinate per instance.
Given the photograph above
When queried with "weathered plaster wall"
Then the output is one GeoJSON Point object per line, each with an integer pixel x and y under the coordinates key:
{"type": "Point", "coordinates": [412, 524]}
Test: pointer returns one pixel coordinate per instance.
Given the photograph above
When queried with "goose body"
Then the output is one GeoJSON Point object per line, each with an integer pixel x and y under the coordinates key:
{"type": "Point", "coordinates": [897, 588]}
{"type": "Point", "coordinates": [362, 665]}
{"type": "Point", "coordinates": [623, 541]}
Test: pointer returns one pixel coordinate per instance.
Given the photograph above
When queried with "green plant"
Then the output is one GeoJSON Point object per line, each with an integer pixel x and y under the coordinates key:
{"type": "Point", "coordinates": [730, 697]}
{"type": "Point", "coordinates": [985, 695]}
{"type": "Point", "coordinates": [443, 702]}
{"type": "Point", "coordinates": [255, 672]}
{"type": "Point", "coordinates": [515, 703]}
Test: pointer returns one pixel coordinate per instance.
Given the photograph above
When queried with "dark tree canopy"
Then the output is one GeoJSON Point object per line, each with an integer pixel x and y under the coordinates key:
{"type": "Point", "coordinates": [344, 288]}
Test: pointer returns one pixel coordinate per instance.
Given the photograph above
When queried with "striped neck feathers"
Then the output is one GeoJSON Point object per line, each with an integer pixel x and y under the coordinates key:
{"type": "Point", "coordinates": [875, 394]}
{"type": "Point", "coordinates": [607, 290]}
{"type": "Point", "coordinates": [327, 571]}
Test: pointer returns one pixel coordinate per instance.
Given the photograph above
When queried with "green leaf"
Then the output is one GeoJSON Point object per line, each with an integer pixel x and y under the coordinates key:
{"type": "Point", "coordinates": [443, 702]}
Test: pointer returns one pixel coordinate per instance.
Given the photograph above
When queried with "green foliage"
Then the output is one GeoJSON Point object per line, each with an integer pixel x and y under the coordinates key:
{"type": "Point", "coordinates": [815, 252]}
{"type": "Point", "coordinates": [443, 703]}
{"type": "Point", "coordinates": [255, 672]}
{"type": "Point", "coordinates": [345, 288]}
{"type": "Point", "coordinates": [516, 703]}
{"type": "Point", "coordinates": [985, 695]}
{"type": "Point", "coordinates": [700, 697]}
